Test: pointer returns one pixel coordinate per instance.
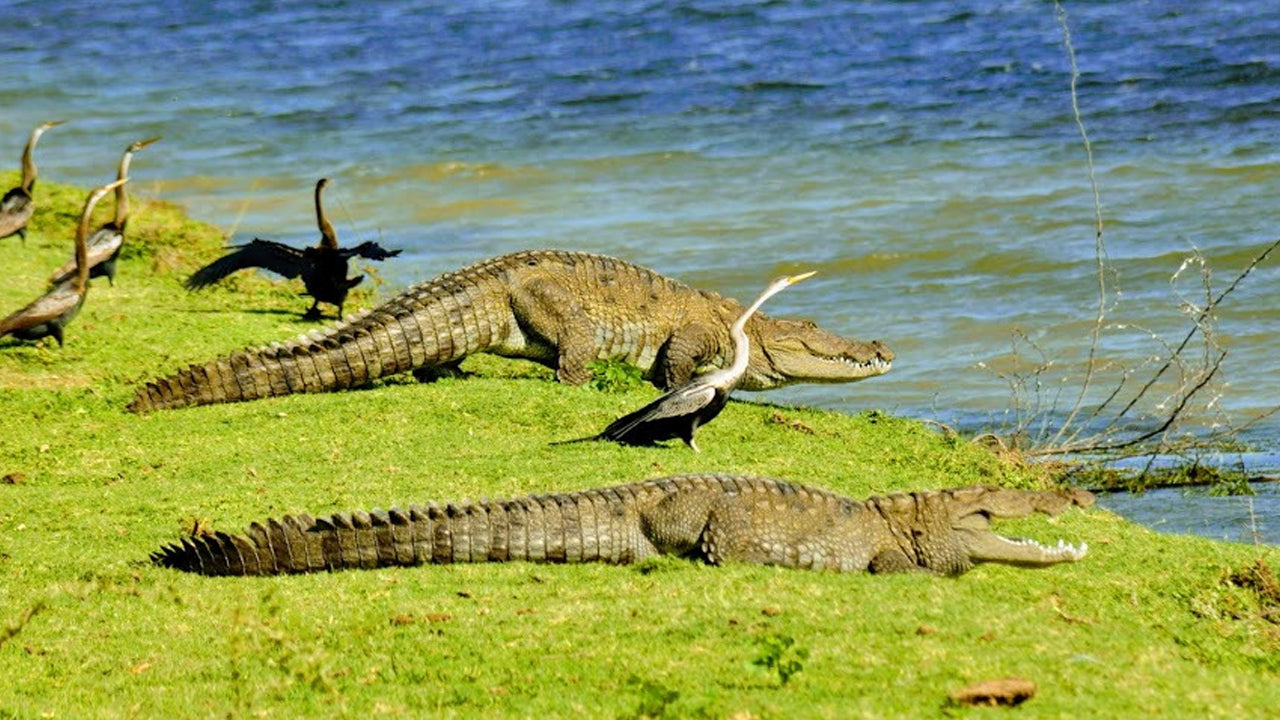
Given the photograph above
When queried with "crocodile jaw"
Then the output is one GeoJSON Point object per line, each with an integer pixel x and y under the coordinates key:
{"type": "Point", "coordinates": [987, 546]}
{"type": "Point", "coordinates": [974, 508]}
{"type": "Point", "coordinates": [774, 367]}
{"type": "Point", "coordinates": [785, 351]}
{"type": "Point", "coordinates": [817, 368]}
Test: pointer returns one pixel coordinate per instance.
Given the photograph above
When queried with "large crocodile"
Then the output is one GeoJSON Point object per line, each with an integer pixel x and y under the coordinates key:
{"type": "Point", "coordinates": [562, 309]}
{"type": "Point", "coordinates": [714, 518]}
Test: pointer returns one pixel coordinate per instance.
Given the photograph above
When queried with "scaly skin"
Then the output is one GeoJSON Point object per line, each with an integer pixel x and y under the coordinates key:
{"type": "Point", "coordinates": [561, 309]}
{"type": "Point", "coordinates": [714, 518]}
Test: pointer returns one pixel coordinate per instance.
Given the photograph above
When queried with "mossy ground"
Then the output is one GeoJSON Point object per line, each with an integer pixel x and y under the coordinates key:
{"type": "Point", "coordinates": [1147, 624]}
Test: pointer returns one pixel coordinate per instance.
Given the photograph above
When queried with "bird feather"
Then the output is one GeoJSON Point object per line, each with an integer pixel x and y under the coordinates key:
{"type": "Point", "coordinates": [265, 254]}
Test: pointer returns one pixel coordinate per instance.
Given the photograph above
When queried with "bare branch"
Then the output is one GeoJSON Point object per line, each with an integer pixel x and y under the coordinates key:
{"type": "Point", "coordinates": [1206, 312]}
{"type": "Point", "coordinates": [1100, 249]}
{"type": "Point", "coordinates": [1168, 422]}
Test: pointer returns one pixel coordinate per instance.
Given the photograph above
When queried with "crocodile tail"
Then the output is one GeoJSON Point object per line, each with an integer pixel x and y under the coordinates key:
{"type": "Point", "coordinates": [433, 323]}
{"type": "Point", "coordinates": [344, 356]}
{"type": "Point", "coordinates": [574, 527]}
{"type": "Point", "coordinates": [297, 544]}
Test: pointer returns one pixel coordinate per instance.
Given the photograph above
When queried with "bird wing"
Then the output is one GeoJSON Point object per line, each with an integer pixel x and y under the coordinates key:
{"type": "Point", "coordinates": [43, 309]}
{"type": "Point", "coordinates": [14, 201]}
{"type": "Point", "coordinates": [104, 242]}
{"type": "Point", "coordinates": [14, 209]}
{"type": "Point", "coordinates": [265, 254]}
{"type": "Point", "coordinates": [370, 251]}
{"type": "Point", "coordinates": [10, 224]}
{"type": "Point", "coordinates": [677, 403]}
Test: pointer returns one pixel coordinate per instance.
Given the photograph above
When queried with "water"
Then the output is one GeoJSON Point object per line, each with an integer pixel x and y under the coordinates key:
{"type": "Point", "coordinates": [922, 156]}
{"type": "Point", "coordinates": [1243, 518]}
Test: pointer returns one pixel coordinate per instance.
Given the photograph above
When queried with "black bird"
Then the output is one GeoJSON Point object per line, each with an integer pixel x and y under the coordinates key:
{"type": "Point", "coordinates": [106, 241]}
{"type": "Point", "coordinates": [323, 268]}
{"type": "Point", "coordinates": [16, 206]}
{"type": "Point", "coordinates": [51, 312]}
{"type": "Point", "coordinates": [678, 413]}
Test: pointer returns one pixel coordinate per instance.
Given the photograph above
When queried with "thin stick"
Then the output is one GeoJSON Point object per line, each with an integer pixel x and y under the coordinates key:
{"type": "Point", "coordinates": [1099, 248]}
{"type": "Point", "coordinates": [1182, 403]}
{"type": "Point", "coordinates": [1196, 326]}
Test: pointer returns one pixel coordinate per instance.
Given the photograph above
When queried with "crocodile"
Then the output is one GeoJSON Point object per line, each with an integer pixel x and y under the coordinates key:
{"type": "Point", "coordinates": [559, 308]}
{"type": "Point", "coordinates": [712, 518]}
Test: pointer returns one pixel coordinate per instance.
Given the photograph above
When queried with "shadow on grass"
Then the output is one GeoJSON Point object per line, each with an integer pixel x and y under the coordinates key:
{"type": "Point", "coordinates": [252, 311]}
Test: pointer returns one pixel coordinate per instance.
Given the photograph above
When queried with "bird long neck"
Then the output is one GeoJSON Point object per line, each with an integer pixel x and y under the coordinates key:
{"type": "Point", "coordinates": [122, 195]}
{"type": "Point", "coordinates": [28, 160]}
{"type": "Point", "coordinates": [737, 331]}
{"type": "Point", "coordinates": [741, 346]}
{"type": "Point", "coordinates": [82, 236]}
{"type": "Point", "coordinates": [328, 239]}
{"type": "Point", "coordinates": [82, 248]}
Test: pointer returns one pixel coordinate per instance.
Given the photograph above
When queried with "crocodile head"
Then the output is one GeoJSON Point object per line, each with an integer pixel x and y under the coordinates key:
{"type": "Point", "coordinates": [973, 509]}
{"type": "Point", "coordinates": [785, 351]}
{"type": "Point", "coordinates": [949, 531]}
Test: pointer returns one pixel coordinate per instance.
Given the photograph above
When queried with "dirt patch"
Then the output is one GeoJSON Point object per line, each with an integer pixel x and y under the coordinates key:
{"type": "Point", "coordinates": [1260, 581]}
{"type": "Point", "coordinates": [1001, 692]}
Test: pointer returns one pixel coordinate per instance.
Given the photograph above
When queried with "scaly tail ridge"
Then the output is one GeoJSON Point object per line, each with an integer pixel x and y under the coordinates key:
{"type": "Point", "coordinates": [588, 526]}
{"type": "Point", "coordinates": [312, 363]}
{"type": "Point", "coordinates": [433, 323]}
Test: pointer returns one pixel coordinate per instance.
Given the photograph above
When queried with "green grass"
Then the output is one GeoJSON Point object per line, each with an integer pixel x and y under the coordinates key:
{"type": "Point", "coordinates": [1146, 624]}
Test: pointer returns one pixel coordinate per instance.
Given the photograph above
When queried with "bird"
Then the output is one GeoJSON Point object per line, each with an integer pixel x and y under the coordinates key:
{"type": "Point", "coordinates": [51, 312]}
{"type": "Point", "coordinates": [105, 242]}
{"type": "Point", "coordinates": [16, 206]}
{"type": "Point", "coordinates": [680, 412]}
{"type": "Point", "coordinates": [323, 268]}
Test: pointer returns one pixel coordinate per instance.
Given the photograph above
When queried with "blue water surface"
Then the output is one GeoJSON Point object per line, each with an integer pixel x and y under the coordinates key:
{"type": "Point", "coordinates": [924, 156]}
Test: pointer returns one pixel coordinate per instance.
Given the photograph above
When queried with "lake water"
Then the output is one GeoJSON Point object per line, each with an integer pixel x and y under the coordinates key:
{"type": "Point", "coordinates": [922, 156]}
{"type": "Point", "coordinates": [1241, 518]}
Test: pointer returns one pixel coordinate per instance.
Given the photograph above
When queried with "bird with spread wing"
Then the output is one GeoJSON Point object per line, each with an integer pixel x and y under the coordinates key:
{"type": "Point", "coordinates": [323, 268]}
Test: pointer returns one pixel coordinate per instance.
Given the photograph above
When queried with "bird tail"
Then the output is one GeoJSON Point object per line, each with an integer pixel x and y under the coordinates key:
{"type": "Point", "coordinates": [589, 438]}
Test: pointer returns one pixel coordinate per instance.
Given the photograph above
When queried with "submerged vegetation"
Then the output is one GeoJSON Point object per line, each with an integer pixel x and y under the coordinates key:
{"type": "Point", "coordinates": [1217, 480]}
{"type": "Point", "coordinates": [1177, 626]}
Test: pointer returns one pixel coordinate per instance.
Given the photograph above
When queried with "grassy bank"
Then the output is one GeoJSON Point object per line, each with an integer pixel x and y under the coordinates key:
{"type": "Point", "coordinates": [1145, 624]}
